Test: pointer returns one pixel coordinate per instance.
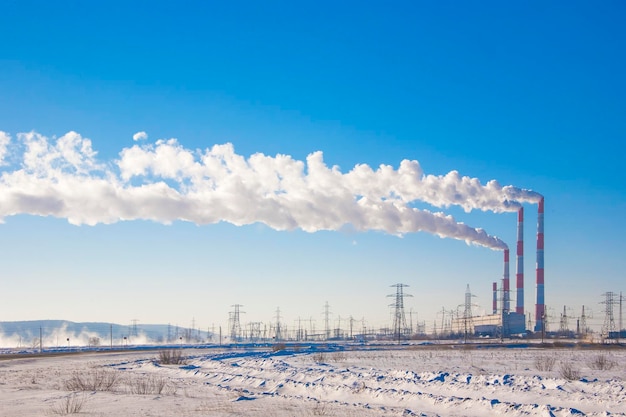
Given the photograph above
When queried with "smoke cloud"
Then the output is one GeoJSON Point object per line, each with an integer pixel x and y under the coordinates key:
{"type": "Point", "coordinates": [165, 182]}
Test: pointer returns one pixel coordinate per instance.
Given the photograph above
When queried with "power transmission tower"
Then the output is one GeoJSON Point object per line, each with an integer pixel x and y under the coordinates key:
{"type": "Point", "coordinates": [299, 331]}
{"type": "Point", "coordinates": [338, 328]}
{"type": "Point", "coordinates": [564, 323]}
{"type": "Point", "coordinates": [400, 330]}
{"type": "Point", "coordinates": [583, 323]}
{"type": "Point", "coordinates": [467, 313]}
{"type": "Point", "coordinates": [255, 331]}
{"type": "Point", "coordinates": [311, 333]}
{"type": "Point", "coordinates": [351, 326]}
{"type": "Point", "coordinates": [235, 323]}
{"type": "Point", "coordinates": [327, 320]}
{"type": "Point", "coordinates": [278, 335]}
{"type": "Point", "coordinates": [608, 327]}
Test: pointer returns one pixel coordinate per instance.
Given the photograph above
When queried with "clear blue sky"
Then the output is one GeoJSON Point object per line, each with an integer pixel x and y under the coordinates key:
{"type": "Point", "coordinates": [531, 94]}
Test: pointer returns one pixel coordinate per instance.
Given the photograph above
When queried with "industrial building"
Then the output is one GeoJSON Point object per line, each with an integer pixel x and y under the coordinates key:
{"type": "Point", "coordinates": [503, 322]}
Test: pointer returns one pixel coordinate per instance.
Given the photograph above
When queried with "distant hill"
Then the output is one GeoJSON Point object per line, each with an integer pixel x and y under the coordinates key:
{"type": "Point", "coordinates": [57, 333]}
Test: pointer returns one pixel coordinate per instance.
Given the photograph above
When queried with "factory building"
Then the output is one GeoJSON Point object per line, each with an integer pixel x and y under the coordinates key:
{"type": "Point", "coordinates": [503, 322]}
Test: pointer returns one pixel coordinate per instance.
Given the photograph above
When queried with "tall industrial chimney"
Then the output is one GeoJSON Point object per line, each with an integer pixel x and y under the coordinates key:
{"type": "Point", "coordinates": [520, 262]}
{"type": "Point", "coordinates": [495, 298]}
{"type": "Point", "coordinates": [506, 287]}
{"type": "Point", "coordinates": [540, 306]}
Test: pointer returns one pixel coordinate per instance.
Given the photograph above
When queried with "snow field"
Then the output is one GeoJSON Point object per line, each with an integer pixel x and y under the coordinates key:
{"type": "Point", "coordinates": [407, 381]}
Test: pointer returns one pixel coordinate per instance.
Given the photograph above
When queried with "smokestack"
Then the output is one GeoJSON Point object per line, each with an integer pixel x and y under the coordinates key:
{"type": "Point", "coordinates": [540, 306]}
{"type": "Point", "coordinates": [520, 262]}
{"type": "Point", "coordinates": [495, 298]}
{"type": "Point", "coordinates": [506, 287]}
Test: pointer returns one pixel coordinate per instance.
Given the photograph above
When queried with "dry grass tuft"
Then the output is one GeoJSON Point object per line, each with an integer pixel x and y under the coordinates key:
{"type": "Point", "coordinates": [545, 363]}
{"type": "Point", "coordinates": [71, 404]}
{"type": "Point", "coordinates": [602, 362]}
{"type": "Point", "coordinates": [150, 385]}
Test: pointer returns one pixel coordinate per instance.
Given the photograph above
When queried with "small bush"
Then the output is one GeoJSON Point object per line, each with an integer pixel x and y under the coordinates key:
{"type": "Point", "coordinates": [171, 357]}
{"type": "Point", "coordinates": [545, 363]}
{"type": "Point", "coordinates": [95, 380]}
{"type": "Point", "coordinates": [339, 356]}
{"type": "Point", "coordinates": [567, 371]}
{"type": "Point", "coordinates": [602, 362]}
{"type": "Point", "coordinates": [70, 404]}
{"type": "Point", "coordinates": [277, 347]}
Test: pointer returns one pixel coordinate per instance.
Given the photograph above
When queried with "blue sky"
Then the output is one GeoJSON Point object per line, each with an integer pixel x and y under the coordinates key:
{"type": "Point", "coordinates": [529, 94]}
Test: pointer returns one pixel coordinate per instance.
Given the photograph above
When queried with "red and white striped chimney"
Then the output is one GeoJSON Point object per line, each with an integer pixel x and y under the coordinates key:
{"type": "Point", "coordinates": [495, 298]}
{"type": "Point", "coordinates": [540, 306]}
{"type": "Point", "coordinates": [520, 262]}
{"type": "Point", "coordinates": [506, 286]}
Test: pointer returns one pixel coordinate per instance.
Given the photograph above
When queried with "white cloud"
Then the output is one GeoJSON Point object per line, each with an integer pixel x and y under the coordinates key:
{"type": "Point", "coordinates": [5, 139]}
{"type": "Point", "coordinates": [140, 136]}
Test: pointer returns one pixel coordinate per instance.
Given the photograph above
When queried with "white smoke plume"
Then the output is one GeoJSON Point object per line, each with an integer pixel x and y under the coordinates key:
{"type": "Point", "coordinates": [409, 183]}
{"type": "Point", "coordinates": [165, 182]}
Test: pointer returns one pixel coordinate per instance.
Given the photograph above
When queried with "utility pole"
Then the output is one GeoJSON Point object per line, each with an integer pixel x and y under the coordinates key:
{"type": "Point", "coordinates": [583, 323]}
{"type": "Point", "coordinates": [299, 332]}
{"type": "Point", "coordinates": [338, 329]}
{"type": "Point", "coordinates": [40, 340]}
{"type": "Point", "coordinates": [619, 333]}
{"type": "Point", "coordinates": [351, 325]}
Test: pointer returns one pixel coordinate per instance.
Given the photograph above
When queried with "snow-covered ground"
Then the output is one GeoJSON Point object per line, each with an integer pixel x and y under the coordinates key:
{"type": "Point", "coordinates": [316, 381]}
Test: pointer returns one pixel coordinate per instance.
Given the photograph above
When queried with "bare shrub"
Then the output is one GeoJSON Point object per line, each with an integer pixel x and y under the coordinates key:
{"type": "Point", "coordinates": [568, 371]}
{"type": "Point", "coordinates": [602, 362]}
{"type": "Point", "coordinates": [319, 357]}
{"type": "Point", "coordinates": [95, 380]}
{"type": "Point", "coordinates": [545, 363]}
{"type": "Point", "coordinates": [339, 356]}
{"type": "Point", "coordinates": [321, 409]}
{"type": "Point", "coordinates": [277, 347]}
{"type": "Point", "coordinates": [149, 385]}
{"type": "Point", "coordinates": [70, 404]}
{"type": "Point", "coordinates": [171, 357]}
